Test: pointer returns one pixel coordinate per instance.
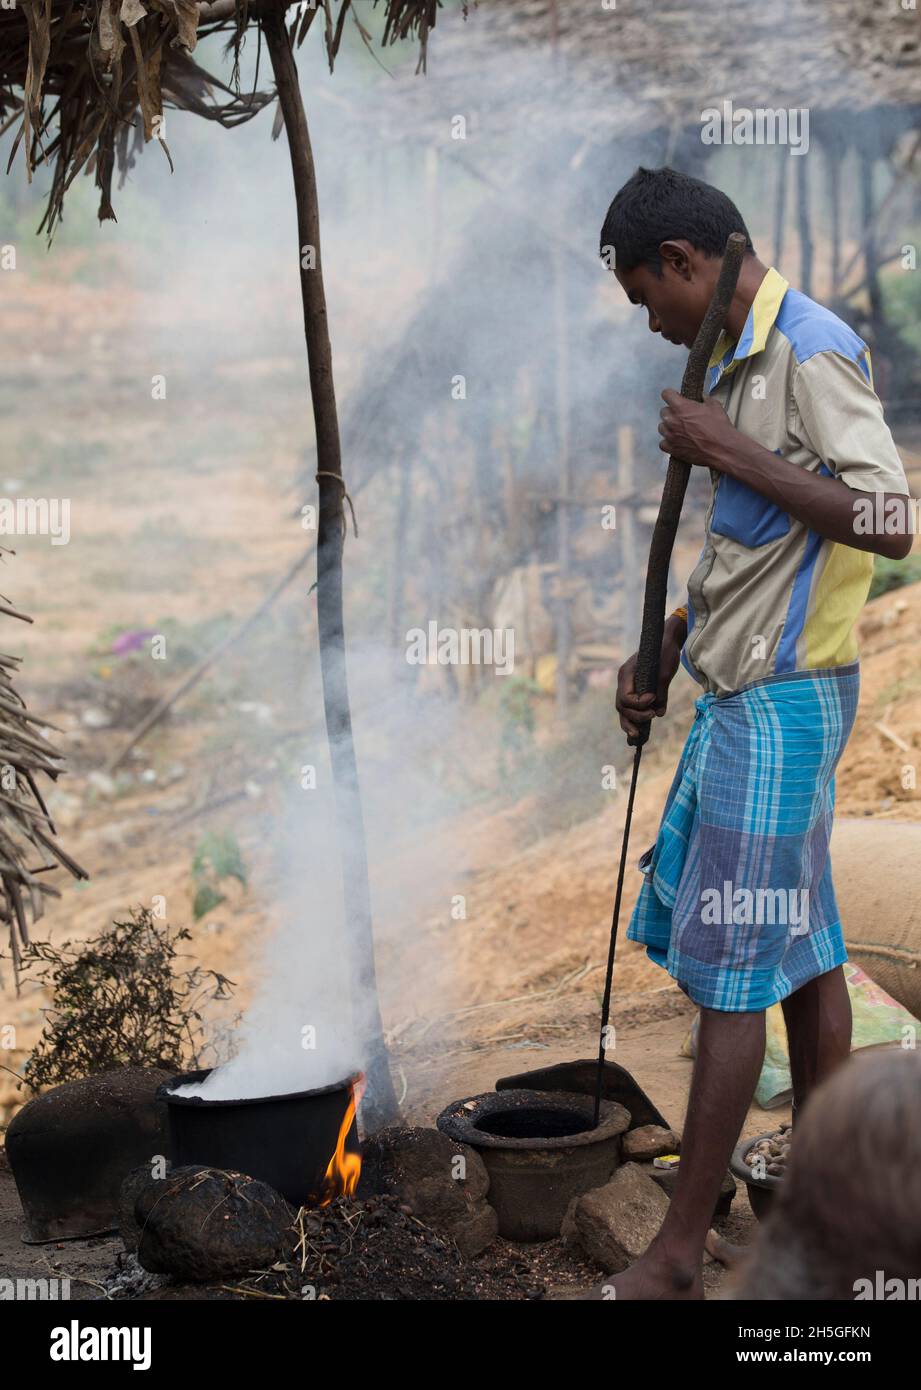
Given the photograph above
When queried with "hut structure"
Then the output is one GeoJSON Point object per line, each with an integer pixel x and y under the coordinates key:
{"type": "Point", "coordinates": [538, 110]}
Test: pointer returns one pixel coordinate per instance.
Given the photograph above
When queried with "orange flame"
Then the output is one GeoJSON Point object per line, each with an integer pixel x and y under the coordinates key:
{"type": "Point", "coordinates": [344, 1169]}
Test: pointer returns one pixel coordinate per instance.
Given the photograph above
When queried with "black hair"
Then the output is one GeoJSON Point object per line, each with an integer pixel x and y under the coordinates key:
{"type": "Point", "coordinates": [657, 205]}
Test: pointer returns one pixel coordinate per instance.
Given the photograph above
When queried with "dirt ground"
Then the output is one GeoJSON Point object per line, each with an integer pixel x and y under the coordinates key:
{"type": "Point", "coordinates": [186, 535]}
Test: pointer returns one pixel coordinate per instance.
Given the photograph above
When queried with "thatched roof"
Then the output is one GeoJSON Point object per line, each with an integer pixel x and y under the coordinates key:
{"type": "Point", "coordinates": [609, 73]}
{"type": "Point", "coordinates": [75, 73]}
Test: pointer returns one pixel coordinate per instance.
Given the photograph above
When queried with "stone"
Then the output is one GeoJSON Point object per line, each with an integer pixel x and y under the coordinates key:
{"type": "Point", "coordinates": [131, 1189]}
{"type": "Point", "coordinates": [71, 1148]}
{"type": "Point", "coordinates": [476, 1232]}
{"type": "Point", "coordinates": [648, 1142]}
{"type": "Point", "coordinates": [614, 1224]}
{"type": "Point", "coordinates": [443, 1183]}
{"type": "Point", "coordinates": [204, 1224]}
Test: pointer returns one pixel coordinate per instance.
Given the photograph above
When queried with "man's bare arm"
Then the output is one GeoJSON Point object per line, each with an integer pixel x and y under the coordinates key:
{"type": "Point", "coordinates": [702, 434]}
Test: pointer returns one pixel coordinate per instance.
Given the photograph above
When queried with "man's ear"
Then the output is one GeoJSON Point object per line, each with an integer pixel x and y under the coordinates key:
{"type": "Point", "coordinates": [677, 255]}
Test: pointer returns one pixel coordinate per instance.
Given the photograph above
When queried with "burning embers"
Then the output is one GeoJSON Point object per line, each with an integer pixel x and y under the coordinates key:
{"type": "Point", "coordinates": [344, 1169]}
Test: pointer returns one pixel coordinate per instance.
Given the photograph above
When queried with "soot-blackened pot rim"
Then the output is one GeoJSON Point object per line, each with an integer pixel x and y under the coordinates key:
{"type": "Point", "coordinates": [460, 1124]}
{"type": "Point", "coordinates": [165, 1091]}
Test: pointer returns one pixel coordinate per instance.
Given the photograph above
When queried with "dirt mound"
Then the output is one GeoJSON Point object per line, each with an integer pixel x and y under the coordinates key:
{"type": "Point", "coordinates": [879, 773]}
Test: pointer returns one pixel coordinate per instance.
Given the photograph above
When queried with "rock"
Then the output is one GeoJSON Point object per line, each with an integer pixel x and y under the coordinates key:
{"type": "Point", "coordinates": [666, 1179]}
{"type": "Point", "coordinates": [71, 1148]}
{"type": "Point", "coordinates": [614, 1224]}
{"type": "Point", "coordinates": [476, 1232]}
{"type": "Point", "coordinates": [649, 1141]}
{"type": "Point", "coordinates": [203, 1223]}
{"type": "Point", "coordinates": [443, 1183]}
{"type": "Point", "coordinates": [132, 1187]}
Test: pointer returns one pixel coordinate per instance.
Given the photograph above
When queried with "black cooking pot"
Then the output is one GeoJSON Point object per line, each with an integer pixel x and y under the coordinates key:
{"type": "Point", "coordinates": [286, 1141]}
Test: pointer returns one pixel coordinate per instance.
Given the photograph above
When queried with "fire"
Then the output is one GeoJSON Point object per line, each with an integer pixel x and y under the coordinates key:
{"type": "Point", "coordinates": [344, 1169]}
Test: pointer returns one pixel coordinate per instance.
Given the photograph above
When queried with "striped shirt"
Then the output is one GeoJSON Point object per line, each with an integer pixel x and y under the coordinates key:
{"type": "Point", "coordinates": [769, 595]}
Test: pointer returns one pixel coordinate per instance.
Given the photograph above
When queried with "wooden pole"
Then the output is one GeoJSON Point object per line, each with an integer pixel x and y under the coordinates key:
{"type": "Point", "coordinates": [676, 482]}
{"type": "Point", "coordinates": [780, 203]}
{"type": "Point", "coordinates": [379, 1105]}
{"type": "Point", "coordinates": [868, 237]}
{"type": "Point", "coordinates": [564, 513]}
{"type": "Point", "coordinates": [833, 157]}
{"type": "Point", "coordinates": [805, 229]}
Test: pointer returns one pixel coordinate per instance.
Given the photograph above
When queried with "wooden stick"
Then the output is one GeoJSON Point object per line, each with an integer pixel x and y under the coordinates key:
{"type": "Point", "coordinates": [380, 1104]}
{"type": "Point", "coordinates": [676, 481]}
{"type": "Point", "coordinates": [804, 224]}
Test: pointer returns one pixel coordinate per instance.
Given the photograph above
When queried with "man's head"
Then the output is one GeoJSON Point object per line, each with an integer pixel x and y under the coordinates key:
{"type": "Point", "coordinates": [664, 235]}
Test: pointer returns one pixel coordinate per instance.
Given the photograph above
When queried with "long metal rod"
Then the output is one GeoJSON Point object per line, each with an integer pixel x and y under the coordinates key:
{"type": "Point", "coordinates": [609, 977]}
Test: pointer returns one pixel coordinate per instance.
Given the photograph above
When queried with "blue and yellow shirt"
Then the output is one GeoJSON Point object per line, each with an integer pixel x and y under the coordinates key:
{"type": "Point", "coordinates": [768, 595]}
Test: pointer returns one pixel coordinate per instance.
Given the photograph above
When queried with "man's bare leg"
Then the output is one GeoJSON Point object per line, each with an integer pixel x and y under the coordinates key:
{"type": "Point", "coordinates": [818, 1019]}
{"type": "Point", "coordinates": [730, 1053]}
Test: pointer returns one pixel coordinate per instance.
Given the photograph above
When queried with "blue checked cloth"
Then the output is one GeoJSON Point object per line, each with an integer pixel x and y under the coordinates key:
{"type": "Point", "coordinates": [737, 902]}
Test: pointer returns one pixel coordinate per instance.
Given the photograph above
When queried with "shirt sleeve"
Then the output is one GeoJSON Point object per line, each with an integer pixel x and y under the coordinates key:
{"type": "Point", "coordinates": [840, 417]}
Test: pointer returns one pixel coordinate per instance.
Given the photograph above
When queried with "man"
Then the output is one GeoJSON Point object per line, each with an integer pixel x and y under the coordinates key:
{"type": "Point", "coordinates": [737, 901]}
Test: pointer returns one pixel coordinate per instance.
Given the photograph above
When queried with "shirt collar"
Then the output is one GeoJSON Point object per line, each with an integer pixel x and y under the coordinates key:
{"type": "Point", "coordinates": [761, 316]}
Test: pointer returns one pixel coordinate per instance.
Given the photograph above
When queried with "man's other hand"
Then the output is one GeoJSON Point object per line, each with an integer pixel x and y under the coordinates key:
{"type": "Point", "coordinates": [635, 710]}
{"type": "Point", "coordinates": [695, 432]}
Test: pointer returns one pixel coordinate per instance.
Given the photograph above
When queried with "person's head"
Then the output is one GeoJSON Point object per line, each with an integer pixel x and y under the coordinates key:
{"type": "Point", "coordinates": [664, 236]}
{"type": "Point", "coordinates": [847, 1216]}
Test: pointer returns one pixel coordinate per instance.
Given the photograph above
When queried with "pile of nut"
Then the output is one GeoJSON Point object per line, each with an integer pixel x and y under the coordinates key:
{"type": "Point", "coordinates": [773, 1151]}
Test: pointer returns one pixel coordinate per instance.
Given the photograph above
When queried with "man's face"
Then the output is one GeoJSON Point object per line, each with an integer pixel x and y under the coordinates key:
{"type": "Point", "coordinates": [675, 301]}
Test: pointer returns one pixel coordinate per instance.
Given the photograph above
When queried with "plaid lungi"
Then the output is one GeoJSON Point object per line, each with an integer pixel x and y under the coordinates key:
{"type": "Point", "coordinates": [737, 901]}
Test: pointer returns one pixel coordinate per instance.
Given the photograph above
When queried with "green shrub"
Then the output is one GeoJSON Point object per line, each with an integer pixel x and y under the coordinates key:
{"type": "Point", "coordinates": [118, 1000]}
{"type": "Point", "coordinates": [217, 857]}
{"type": "Point", "coordinates": [893, 574]}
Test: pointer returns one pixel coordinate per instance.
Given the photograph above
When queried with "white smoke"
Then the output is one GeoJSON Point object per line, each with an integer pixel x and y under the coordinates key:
{"type": "Point", "coordinates": [303, 1029]}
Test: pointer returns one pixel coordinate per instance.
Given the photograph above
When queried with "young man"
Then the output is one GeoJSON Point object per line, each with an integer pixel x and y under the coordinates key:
{"type": "Point", "coordinates": [737, 901]}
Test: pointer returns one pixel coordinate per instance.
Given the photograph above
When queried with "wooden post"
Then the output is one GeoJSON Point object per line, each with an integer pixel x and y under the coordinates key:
{"type": "Point", "coordinates": [379, 1105]}
{"type": "Point", "coordinates": [805, 229]}
{"type": "Point", "coordinates": [833, 158]}
{"type": "Point", "coordinates": [564, 509]}
{"type": "Point", "coordinates": [780, 203]}
{"type": "Point", "coordinates": [868, 235]}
